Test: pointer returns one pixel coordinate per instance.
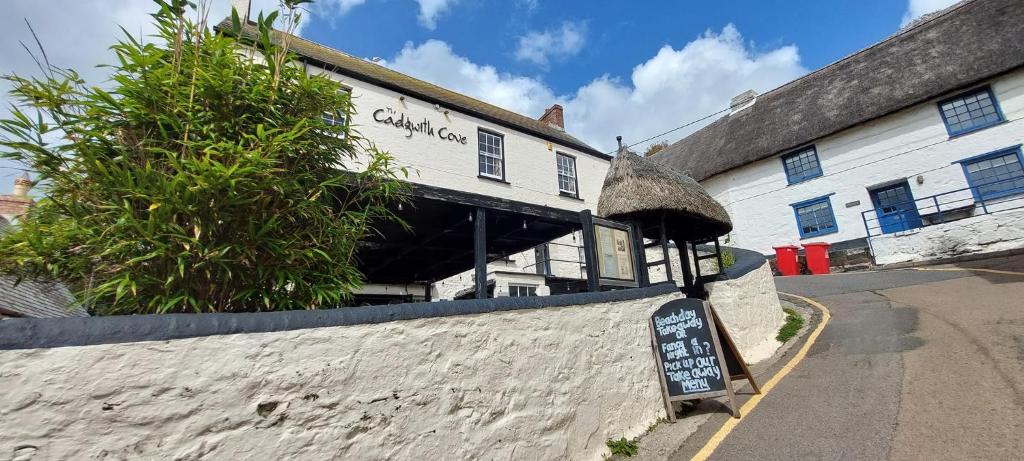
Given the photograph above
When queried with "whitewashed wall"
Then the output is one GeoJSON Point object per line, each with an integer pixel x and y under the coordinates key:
{"type": "Point", "coordinates": [905, 144]}
{"type": "Point", "coordinates": [750, 309]}
{"type": "Point", "coordinates": [978, 234]}
{"type": "Point", "coordinates": [535, 384]}
{"type": "Point", "coordinates": [530, 167]}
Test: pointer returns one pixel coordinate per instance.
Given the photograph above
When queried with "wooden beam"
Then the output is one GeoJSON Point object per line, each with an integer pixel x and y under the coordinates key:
{"type": "Point", "coordinates": [643, 278]}
{"type": "Point", "coordinates": [664, 250]}
{"type": "Point", "coordinates": [416, 245]}
{"type": "Point", "coordinates": [590, 250]}
{"type": "Point", "coordinates": [480, 252]}
{"type": "Point", "coordinates": [495, 203]}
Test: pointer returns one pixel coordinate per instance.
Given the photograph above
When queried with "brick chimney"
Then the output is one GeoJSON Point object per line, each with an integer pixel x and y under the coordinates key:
{"type": "Point", "coordinates": [553, 117]}
{"type": "Point", "coordinates": [14, 205]}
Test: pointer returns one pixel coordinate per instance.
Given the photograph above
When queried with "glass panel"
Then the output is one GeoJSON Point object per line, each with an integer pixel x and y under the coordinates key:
{"type": "Point", "coordinates": [815, 217]}
{"type": "Point", "coordinates": [969, 112]}
{"type": "Point", "coordinates": [802, 165]}
{"type": "Point", "coordinates": [996, 176]}
{"type": "Point", "coordinates": [615, 255]}
{"type": "Point", "coordinates": [490, 154]}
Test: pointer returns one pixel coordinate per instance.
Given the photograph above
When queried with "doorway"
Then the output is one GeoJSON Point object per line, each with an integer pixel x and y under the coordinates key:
{"type": "Point", "coordinates": [895, 208]}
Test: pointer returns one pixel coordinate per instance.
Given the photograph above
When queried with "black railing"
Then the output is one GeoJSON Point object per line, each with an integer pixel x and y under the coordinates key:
{"type": "Point", "coordinates": [946, 207]}
{"type": "Point", "coordinates": [548, 269]}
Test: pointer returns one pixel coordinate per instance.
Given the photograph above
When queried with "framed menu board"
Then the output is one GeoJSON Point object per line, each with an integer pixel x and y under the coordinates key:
{"type": "Point", "coordinates": [616, 261]}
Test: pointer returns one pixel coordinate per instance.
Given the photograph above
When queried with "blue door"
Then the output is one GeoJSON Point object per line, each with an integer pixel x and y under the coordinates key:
{"type": "Point", "coordinates": [895, 208]}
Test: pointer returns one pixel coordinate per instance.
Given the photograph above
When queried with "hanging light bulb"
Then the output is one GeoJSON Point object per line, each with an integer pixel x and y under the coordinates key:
{"type": "Point", "coordinates": [524, 224]}
{"type": "Point", "coordinates": [399, 207]}
{"type": "Point", "coordinates": [471, 216]}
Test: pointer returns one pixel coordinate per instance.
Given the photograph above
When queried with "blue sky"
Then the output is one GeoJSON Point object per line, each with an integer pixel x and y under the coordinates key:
{"type": "Point", "coordinates": [634, 69]}
{"type": "Point", "coordinates": [618, 35]}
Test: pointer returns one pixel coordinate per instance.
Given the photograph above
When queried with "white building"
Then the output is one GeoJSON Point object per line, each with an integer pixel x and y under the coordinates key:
{"type": "Point", "coordinates": [526, 178]}
{"type": "Point", "coordinates": [914, 142]}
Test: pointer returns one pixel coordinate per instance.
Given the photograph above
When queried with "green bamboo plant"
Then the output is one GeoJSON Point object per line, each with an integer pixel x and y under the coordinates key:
{"type": "Point", "coordinates": [202, 178]}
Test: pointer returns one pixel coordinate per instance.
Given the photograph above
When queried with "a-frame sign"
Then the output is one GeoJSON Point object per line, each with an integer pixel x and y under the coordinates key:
{"type": "Point", "coordinates": [692, 362]}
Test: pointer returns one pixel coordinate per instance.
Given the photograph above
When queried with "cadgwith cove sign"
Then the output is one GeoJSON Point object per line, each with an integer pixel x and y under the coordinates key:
{"type": "Point", "coordinates": [399, 120]}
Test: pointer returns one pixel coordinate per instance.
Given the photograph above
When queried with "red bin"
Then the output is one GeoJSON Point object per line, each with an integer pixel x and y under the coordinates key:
{"type": "Point", "coordinates": [817, 257]}
{"type": "Point", "coordinates": [785, 259]}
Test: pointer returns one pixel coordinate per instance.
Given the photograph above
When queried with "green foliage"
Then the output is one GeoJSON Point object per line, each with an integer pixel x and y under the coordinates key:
{"type": "Point", "coordinates": [654, 148]}
{"type": "Point", "coordinates": [793, 324]}
{"type": "Point", "coordinates": [202, 179]}
{"type": "Point", "coordinates": [655, 424]}
{"type": "Point", "coordinates": [728, 258]}
{"type": "Point", "coordinates": [622, 447]}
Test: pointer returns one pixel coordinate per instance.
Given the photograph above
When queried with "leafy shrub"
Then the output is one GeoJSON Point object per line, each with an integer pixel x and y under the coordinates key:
{"type": "Point", "coordinates": [622, 447]}
{"type": "Point", "coordinates": [793, 324]}
{"type": "Point", "coordinates": [204, 177]}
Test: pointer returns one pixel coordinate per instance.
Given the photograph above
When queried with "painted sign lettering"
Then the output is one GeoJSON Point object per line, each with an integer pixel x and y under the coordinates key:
{"type": "Point", "coordinates": [399, 120]}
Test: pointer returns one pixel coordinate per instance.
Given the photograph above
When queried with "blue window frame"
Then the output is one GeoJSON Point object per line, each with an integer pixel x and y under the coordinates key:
{"type": "Point", "coordinates": [801, 165]}
{"type": "Point", "coordinates": [970, 111]}
{"type": "Point", "coordinates": [995, 174]}
{"type": "Point", "coordinates": [814, 217]}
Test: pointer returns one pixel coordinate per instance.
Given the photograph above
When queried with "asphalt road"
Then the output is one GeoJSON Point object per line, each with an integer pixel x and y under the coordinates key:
{"type": "Point", "coordinates": [913, 365]}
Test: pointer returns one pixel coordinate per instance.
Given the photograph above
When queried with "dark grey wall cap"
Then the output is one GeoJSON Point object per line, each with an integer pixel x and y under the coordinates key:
{"type": "Point", "coordinates": [746, 261]}
{"type": "Point", "coordinates": [64, 332]}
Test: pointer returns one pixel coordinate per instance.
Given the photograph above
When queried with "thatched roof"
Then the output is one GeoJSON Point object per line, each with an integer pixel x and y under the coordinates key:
{"type": "Point", "coordinates": [366, 71]}
{"type": "Point", "coordinates": [637, 189]}
{"type": "Point", "coordinates": [964, 45]}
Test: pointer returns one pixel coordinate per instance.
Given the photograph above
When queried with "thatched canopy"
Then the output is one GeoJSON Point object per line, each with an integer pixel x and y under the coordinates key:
{"type": "Point", "coordinates": [640, 190]}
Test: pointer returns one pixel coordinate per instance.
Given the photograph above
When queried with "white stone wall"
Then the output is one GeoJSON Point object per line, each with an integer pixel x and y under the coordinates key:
{"type": "Point", "coordinates": [530, 168]}
{"type": "Point", "coordinates": [750, 309]}
{"type": "Point", "coordinates": [907, 144]}
{"type": "Point", "coordinates": [979, 234]}
{"type": "Point", "coordinates": [530, 384]}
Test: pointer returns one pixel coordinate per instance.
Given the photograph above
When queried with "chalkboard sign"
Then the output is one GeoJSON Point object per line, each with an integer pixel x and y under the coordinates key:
{"type": "Point", "coordinates": [690, 360]}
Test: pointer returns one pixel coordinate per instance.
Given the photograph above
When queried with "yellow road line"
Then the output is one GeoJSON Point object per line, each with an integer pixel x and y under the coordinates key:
{"type": "Point", "coordinates": [971, 269]}
{"type": "Point", "coordinates": [731, 423]}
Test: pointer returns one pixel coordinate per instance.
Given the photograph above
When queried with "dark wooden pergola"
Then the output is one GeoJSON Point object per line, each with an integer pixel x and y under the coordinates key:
{"type": "Point", "coordinates": [454, 231]}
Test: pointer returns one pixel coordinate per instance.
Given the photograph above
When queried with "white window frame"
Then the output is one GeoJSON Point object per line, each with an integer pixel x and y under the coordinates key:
{"type": "Point", "coordinates": [498, 158]}
{"type": "Point", "coordinates": [521, 288]}
{"type": "Point", "coordinates": [567, 171]}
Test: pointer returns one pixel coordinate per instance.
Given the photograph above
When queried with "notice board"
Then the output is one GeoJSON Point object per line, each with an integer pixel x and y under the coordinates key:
{"type": "Point", "coordinates": [689, 354]}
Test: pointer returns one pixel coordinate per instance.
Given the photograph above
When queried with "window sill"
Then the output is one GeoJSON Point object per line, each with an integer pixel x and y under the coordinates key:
{"type": "Point", "coordinates": [818, 234]}
{"type": "Point", "coordinates": [802, 180]}
{"type": "Point", "coordinates": [492, 178]}
{"type": "Point", "coordinates": [976, 129]}
{"type": "Point", "coordinates": [570, 196]}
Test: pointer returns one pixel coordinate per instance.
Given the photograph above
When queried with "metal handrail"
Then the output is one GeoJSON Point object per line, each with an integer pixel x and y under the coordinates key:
{"type": "Point", "coordinates": [933, 206]}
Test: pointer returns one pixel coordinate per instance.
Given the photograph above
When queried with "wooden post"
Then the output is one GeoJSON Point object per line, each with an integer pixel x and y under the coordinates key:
{"type": "Point", "coordinates": [590, 250]}
{"type": "Point", "coordinates": [685, 263]}
{"type": "Point", "coordinates": [664, 251]}
{"type": "Point", "coordinates": [643, 279]}
{"type": "Point", "coordinates": [480, 252]}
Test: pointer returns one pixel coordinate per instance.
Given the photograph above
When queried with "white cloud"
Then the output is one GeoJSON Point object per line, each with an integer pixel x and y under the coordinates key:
{"type": "Point", "coordinates": [431, 9]}
{"type": "Point", "coordinates": [77, 34]}
{"type": "Point", "coordinates": [918, 8]}
{"type": "Point", "coordinates": [341, 6]}
{"type": "Point", "coordinates": [672, 87]}
{"type": "Point", "coordinates": [538, 47]}
{"type": "Point", "coordinates": [434, 61]}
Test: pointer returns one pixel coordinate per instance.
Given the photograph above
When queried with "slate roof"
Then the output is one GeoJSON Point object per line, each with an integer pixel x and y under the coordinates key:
{"type": "Point", "coordinates": [37, 299]}
{"type": "Point", "coordinates": [361, 69]}
{"type": "Point", "coordinates": [966, 44]}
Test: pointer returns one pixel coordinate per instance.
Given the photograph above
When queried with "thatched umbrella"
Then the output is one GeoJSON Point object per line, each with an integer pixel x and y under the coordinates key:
{"type": "Point", "coordinates": [640, 190]}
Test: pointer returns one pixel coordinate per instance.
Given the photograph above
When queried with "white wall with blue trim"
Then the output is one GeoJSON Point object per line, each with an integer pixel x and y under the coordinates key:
{"type": "Point", "coordinates": [913, 144]}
